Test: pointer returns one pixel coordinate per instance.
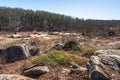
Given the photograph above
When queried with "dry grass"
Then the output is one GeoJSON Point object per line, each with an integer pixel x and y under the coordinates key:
{"type": "Point", "coordinates": [8, 41]}
{"type": "Point", "coordinates": [46, 42]}
{"type": "Point", "coordinates": [87, 52]}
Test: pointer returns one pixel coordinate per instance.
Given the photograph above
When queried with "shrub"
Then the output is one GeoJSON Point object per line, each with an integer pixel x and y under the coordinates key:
{"type": "Point", "coordinates": [59, 58]}
{"type": "Point", "coordinates": [87, 52]}
{"type": "Point", "coordinates": [75, 52]}
{"type": "Point", "coordinates": [54, 58]}
{"type": "Point", "coordinates": [79, 61]}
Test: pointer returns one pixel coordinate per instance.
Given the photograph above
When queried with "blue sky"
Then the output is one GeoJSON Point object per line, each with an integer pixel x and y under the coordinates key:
{"type": "Point", "coordinates": [88, 9]}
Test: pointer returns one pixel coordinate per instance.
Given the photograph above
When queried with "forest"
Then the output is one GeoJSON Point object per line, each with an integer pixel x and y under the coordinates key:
{"type": "Point", "coordinates": [18, 19]}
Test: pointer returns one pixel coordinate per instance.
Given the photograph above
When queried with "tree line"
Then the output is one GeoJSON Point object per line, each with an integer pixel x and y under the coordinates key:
{"type": "Point", "coordinates": [18, 19]}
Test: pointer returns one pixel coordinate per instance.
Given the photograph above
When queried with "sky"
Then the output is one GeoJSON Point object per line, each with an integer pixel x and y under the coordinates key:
{"type": "Point", "coordinates": [87, 9]}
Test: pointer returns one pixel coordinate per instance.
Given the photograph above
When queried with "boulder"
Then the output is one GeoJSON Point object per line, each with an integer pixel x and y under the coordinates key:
{"type": "Point", "coordinates": [34, 51]}
{"type": "Point", "coordinates": [58, 46]}
{"type": "Point", "coordinates": [35, 71]}
{"type": "Point", "coordinates": [13, 77]}
{"type": "Point", "coordinates": [104, 65]}
{"type": "Point", "coordinates": [14, 53]}
{"type": "Point", "coordinates": [16, 36]}
{"type": "Point", "coordinates": [71, 45]}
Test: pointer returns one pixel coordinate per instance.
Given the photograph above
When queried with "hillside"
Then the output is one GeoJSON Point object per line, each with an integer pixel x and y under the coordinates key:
{"type": "Point", "coordinates": [17, 19]}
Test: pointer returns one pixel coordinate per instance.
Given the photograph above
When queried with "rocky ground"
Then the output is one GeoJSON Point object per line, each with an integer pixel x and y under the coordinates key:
{"type": "Point", "coordinates": [45, 42]}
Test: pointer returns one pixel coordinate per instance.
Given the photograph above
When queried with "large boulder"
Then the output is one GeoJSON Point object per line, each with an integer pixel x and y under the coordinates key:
{"type": "Point", "coordinates": [14, 53]}
{"type": "Point", "coordinates": [13, 77]}
{"type": "Point", "coordinates": [35, 71]}
{"type": "Point", "coordinates": [104, 65]}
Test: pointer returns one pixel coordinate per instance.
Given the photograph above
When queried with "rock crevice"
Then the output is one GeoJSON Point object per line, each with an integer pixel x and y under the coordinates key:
{"type": "Point", "coordinates": [104, 65]}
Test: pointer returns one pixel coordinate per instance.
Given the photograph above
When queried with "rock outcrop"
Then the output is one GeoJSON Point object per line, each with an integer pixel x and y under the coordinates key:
{"type": "Point", "coordinates": [35, 71]}
{"type": "Point", "coordinates": [14, 53]}
{"type": "Point", "coordinates": [13, 77]}
{"type": "Point", "coordinates": [114, 45]}
{"type": "Point", "coordinates": [104, 65]}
